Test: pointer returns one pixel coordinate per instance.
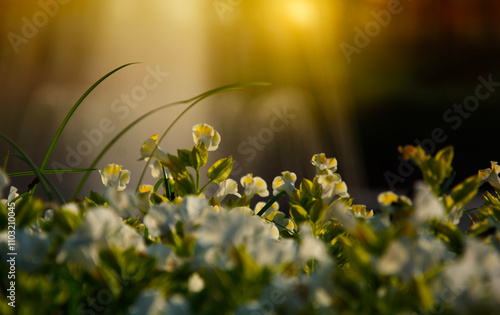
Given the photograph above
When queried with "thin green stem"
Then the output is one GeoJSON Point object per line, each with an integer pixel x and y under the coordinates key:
{"type": "Point", "coordinates": [198, 180]}
{"type": "Point", "coordinates": [205, 186]}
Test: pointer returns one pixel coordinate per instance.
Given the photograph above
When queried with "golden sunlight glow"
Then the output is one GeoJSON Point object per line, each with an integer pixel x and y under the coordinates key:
{"type": "Point", "coordinates": [300, 11]}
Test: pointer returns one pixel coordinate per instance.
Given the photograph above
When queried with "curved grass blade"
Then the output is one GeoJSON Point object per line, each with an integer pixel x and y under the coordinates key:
{"type": "Point", "coordinates": [127, 128]}
{"type": "Point", "coordinates": [43, 180]}
{"type": "Point", "coordinates": [232, 87]}
{"type": "Point", "coordinates": [51, 171]}
{"type": "Point", "coordinates": [270, 203]}
{"type": "Point", "coordinates": [73, 109]}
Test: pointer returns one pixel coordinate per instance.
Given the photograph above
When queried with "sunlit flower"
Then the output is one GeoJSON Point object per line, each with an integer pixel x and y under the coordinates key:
{"type": "Point", "coordinates": [270, 212]}
{"type": "Point", "coordinates": [114, 176]}
{"type": "Point", "coordinates": [142, 198]}
{"type": "Point", "coordinates": [157, 170]}
{"type": "Point", "coordinates": [332, 187]}
{"type": "Point", "coordinates": [285, 182]}
{"type": "Point", "coordinates": [206, 134]}
{"type": "Point", "coordinates": [361, 212]}
{"type": "Point", "coordinates": [254, 185]}
{"type": "Point", "coordinates": [387, 198]}
{"type": "Point", "coordinates": [148, 147]}
{"type": "Point", "coordinates": [227, 187]}
{"type": "Point", "coordinates": [282, 222]}
{"type": "Point", "coordinates": [490, 175]}
{"type": "Point", "coordinates": [243, 210]}
{"type": "Point", "coordinates": [324, 165]}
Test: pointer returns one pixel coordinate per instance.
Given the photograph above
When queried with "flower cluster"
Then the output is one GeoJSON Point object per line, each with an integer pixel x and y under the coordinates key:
{"type": "Point", "coordinates": [170, 247]}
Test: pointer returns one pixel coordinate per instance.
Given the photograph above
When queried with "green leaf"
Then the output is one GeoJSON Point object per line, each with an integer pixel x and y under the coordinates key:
{"type": "Point", "coordinates": [185, 184]}
{"type": "Point", "coordinates": [199, 156]}
{"type": "Point", "coordinates": [67, 221]}
{"type": "Point", "coordinates": [157, 198]}
{"type": "Point", "coordinates": [298, 213]}
{"type": "Point", "coordinates": [175, 165]}
{"type": "Point", "coordinates": [185, 157]}
{"type": "Point", "coordinates": [96, 198]}
{"type": "Point", "coordinates": [220, 170]}
{"type": "Point", "coordinates": [450, 234]}
{"type": "Point", "coordinates": [28, 210]}
{"type": "Point", "coordinates": [465, 191]}
{"type": "Point", "coordinates": [317, 211]}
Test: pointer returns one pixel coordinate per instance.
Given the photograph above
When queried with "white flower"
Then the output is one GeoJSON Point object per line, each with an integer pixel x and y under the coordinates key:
{"type": "Point", "coordinates": [12, 195]}
{"type": "Point", "coordinates": [195, 283]}
{"type": "Point", "coordinates": [114, 176]}
{"type": "Point", "coordinates": [166, 259]}
{"type": "Point", "coordinates": [323, 165]}
{"type": "Point", "coordinates": [100, 229]}
{"type": "Point", "coordinates": [491, 175]}
{"type": "Point", "coordinates": [206, 134]}
{"type": "Point", "coordinates": [410, 258]}
{"type": "Point", "coordinates": [332, 186]}
{"type": "Point", "coordinates": [161, 219]}
{"type": "Point", "coordinates": [143, 198]}
{"type": "Point", "coordinates": [220, 234]}
{"type": "Point", "coordinates": [153, 302]}
{"type": "Point", "coordinates": [427, 206]}
{"type": "Point", "coordinates": [4, 181]}
{"type": "Point", "coordinates": [148, 146]}
{"type": "Point", "coordinates": [243, 210]}
{"type": "Point", "coordinates": [340, 211]}
{"type": "Point", "coordinates": [32, 247]}
{"type": "Point", "coordinates": [254, 185]}
{"type": "Point", "coordinates": [270, 212]}
{"type": "Point", "coordinates": [227, 187]}
{"type": "Point", "coordinates": [282, 222]}
{"type": "Point", "coordinates": [474, 277]}
{"type": "Point", "coordinates": [157, 171]}
{"type": "Point", "coordinates": [285, 182]}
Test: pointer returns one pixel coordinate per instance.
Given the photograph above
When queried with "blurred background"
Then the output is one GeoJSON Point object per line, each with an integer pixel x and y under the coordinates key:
{"type": "Point", "coordinates": [351, 78]}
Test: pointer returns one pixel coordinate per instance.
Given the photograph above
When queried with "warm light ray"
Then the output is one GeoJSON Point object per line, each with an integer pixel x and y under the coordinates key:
{"type": "Point", "coordinates": [300, 11]}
